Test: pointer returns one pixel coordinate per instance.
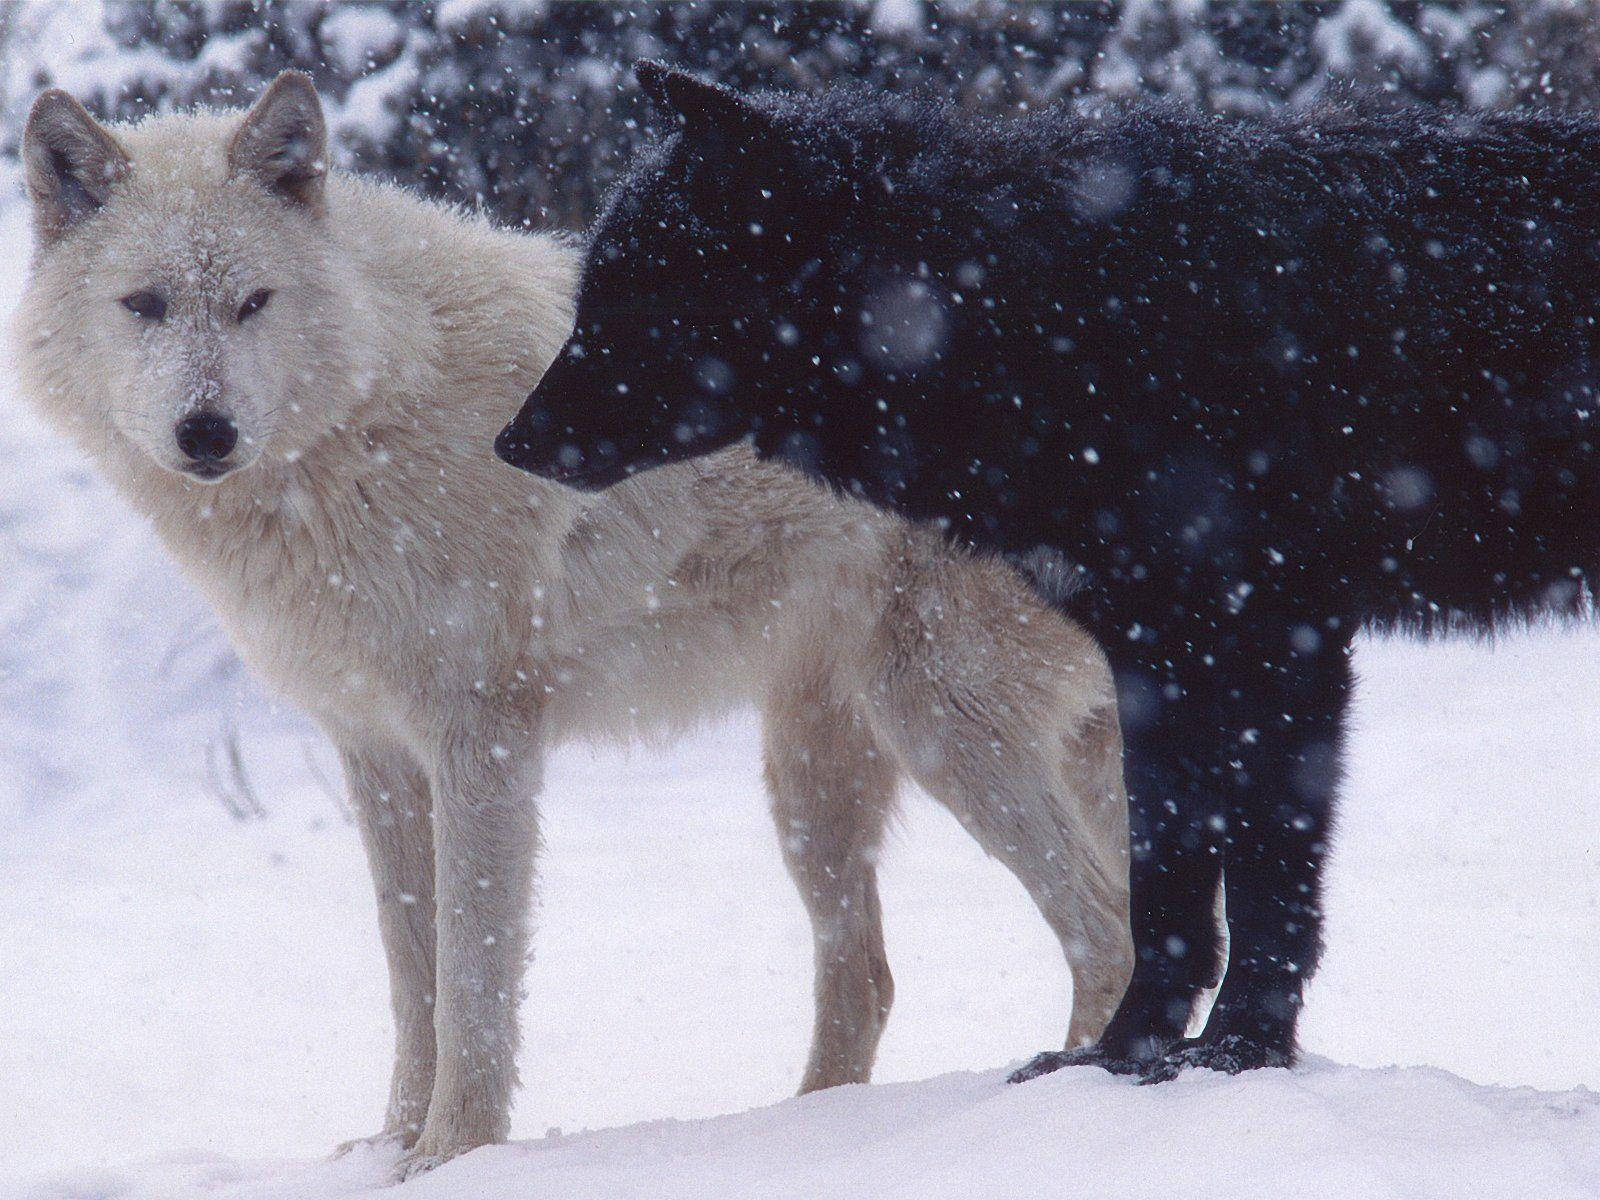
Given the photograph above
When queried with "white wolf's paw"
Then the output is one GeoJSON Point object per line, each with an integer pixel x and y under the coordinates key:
{"type": "Point", "coordinates": [427, 1155]}
{"type": "Point", "coordinates": [387, 1142]}
{"type": "Point", "coordinates": [414, 1164]}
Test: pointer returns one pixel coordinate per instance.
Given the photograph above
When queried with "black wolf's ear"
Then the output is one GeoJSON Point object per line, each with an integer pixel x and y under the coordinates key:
{"type": "Point", "coordinates": [283, 141]}
{"type": "Point", "coordinates": [72, 163]}
{"type": "Point", "coordinates": [703, 106]}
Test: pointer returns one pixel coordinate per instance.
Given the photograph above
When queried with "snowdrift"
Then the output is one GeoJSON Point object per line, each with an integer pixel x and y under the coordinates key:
{"type": "Point", "coordinates": [1320, 1131]}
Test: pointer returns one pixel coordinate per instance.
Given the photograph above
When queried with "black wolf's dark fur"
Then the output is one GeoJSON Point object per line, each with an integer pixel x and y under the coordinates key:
{"type": "Point", "coordinates": [1266, 382]}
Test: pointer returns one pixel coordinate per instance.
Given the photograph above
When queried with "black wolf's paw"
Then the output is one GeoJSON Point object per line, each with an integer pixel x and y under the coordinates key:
{"type": "Point", "coordinates": [1231, 1054]}
{"type": "Point", "coordinates": [1084, 1056]}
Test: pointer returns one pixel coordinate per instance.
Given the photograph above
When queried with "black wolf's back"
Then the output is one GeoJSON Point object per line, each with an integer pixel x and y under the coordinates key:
{"type": "Point", "coordinates": [1174, 328]}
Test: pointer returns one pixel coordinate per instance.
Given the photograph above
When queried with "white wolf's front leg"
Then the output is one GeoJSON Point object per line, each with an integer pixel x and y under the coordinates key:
{"type": "Point", "coordinates": [485, 827]}
{"type": "Point", "coordinates": [390, 794]}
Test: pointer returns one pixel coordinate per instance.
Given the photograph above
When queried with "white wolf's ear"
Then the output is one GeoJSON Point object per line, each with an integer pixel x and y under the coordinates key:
{"type": "Point", "coordinates": [702, 105]}
{"type": "Point", "coordinates": [72, 163]}
{"type": "Point", "coordinates": [282, 142]}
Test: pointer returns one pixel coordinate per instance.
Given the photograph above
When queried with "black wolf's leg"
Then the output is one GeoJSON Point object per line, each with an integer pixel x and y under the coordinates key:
{"type": "Point", "coordinates": [1176, 815]}
{"type": "Point", "coordinates": [1278, 829]}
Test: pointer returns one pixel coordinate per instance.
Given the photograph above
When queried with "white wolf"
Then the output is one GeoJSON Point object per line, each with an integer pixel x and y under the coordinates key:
{"type": "Point", "coordinates": [297, 376]}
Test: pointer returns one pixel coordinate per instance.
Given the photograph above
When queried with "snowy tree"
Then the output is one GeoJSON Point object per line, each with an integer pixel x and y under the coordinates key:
{"type": "Point", "coordinates": [530, 109]}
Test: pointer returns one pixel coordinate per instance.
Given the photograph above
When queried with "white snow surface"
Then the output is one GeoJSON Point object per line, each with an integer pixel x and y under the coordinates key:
{"type": "Point", "coordinates": [195, 1006]}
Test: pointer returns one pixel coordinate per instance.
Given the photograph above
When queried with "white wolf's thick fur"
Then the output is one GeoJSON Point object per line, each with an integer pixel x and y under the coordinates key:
{"type": "Point", "coordinates": [446, 618]}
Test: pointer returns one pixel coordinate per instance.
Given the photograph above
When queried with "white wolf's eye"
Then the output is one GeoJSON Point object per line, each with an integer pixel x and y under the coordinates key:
{"type": "Point", "coordinates": [152, 306]}
{"type": "Point", "coordinates": [257, 301]}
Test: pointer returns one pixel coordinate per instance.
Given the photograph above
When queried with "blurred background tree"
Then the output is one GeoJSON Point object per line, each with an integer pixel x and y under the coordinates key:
{"type": "Point", "coordinates": [529, 108]}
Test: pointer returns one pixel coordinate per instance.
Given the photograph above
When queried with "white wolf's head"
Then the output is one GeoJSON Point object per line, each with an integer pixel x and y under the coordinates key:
{"type": "Point", "coordinates": [183, 273]}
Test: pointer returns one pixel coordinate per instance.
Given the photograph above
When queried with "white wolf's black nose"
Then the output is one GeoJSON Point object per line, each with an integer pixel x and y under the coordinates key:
{"type": "Point", "coordinates": [207, 437]}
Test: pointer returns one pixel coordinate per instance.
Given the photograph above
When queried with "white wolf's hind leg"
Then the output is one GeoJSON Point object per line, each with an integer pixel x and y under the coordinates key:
{"type": "Point", "coordinates": [1058, 821]}
{"type": "Point", "coordinates": [1100, 946]}
{"type": "Point", "coordinates": [390, 795]}
{"type": "Point", "coordinates": [831, 791]}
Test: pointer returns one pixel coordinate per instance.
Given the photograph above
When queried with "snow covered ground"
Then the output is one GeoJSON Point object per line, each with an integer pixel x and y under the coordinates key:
{"type": "Point", "coordinates": [194, 1006]}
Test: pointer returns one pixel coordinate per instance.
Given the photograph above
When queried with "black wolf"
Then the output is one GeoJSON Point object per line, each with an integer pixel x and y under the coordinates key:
{"type": "Point", "coordinates": [1263, 382]}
